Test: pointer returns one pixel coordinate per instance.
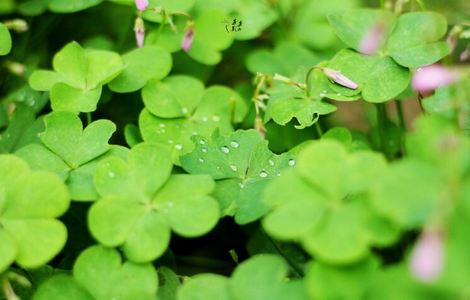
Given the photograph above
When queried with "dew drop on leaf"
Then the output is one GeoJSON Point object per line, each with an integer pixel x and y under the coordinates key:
{"type": "Point", "coordinates": [215, 118]}
{"type": "Point", "coordinates": [271, 162]}
{"type": "Point", "coordinates": [202, 142]}
{"type": "Point", "coordinates": [184, 110]}
{"type": "Point", "coordinates": [204, 150]}
{"type": "Point", "coordinates": [204, 119]}
{"type": "Point", "coordinates": [201, 159]}
{"type": "Point", "coordinates": [234, 168]}
{"type": "Point", "coordinates": [111, 174]}
{"type": "Point", "coordinates": [234, 144]}
{"type": "Point", "coordinates": [263, 174]}
{"type": "Point", "coordinates": [291, 162]}
{"type": "Point", "coordinates": [225, 149]}
{"type": "Point", "coordinates": [178, 146]}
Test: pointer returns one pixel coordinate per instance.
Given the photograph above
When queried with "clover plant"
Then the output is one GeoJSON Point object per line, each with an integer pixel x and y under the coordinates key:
{"type": "Point", "coordinates": [234, 150]}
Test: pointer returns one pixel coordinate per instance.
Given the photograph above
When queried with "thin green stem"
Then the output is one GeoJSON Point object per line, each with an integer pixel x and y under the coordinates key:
{"type": "Point", "coordinates": [420, 98]}
{"type": "Point", "coordinates": [307, 80]}
{"type": "Point", "coordinates": [8, 289]}
{"type": "Point", "coordinates": [401, 116]}
{"type": "Point", "coordinates": [295, 268]}
{"type": "Point", "coordinates": [318, 128]}
{"type": "Point", "coordinates": [381, 119]}
{"type": "Point", "coordinates": [88, 118]}
{"type": "Point", "coordinates": [159, 32]}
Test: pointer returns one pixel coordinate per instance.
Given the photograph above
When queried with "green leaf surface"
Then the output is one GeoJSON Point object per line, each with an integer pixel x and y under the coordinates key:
{"type": "Point", "coordinates": [217, 108]}
{"type": "Point", "coordinates": [141, 203]}
{"type": "Point", "coordinates": [66, 6]}
{"type": "Point", "coordinates": [29, 204]}
{"type": "Point", "coordinates": [242, 164]}
{"type": "Point", "coordinates": [5, 40]}
{"type": "Point", "coordinates": [142, 64]}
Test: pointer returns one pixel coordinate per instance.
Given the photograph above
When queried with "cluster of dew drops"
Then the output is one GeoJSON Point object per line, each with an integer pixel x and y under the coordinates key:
{"type": "Point", "coordinates": [234, 144]}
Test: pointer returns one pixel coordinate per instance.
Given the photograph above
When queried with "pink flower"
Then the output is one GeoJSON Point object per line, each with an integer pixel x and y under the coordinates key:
{"type": "Point", "coordinates": [187, 39]}
{"type": "Point", "coordinates": [372, 39]}
{"type": "Point", "coordinates": [429, 78]}
{"type": "Point", "coordinates": [465, 55]}
{"type": "Point", "coordinates": [141, 4]}
{"type": "Point", "coordinates": [339, 78]}
{"type": "Point", "coordinates": [427, 257]}
{"type": "Point", "coordinates": [139, 32]}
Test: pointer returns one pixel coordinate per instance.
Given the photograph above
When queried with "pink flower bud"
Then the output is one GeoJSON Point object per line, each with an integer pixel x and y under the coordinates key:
{"type": "Point", "coordinates": [431, 77]}
{"type": "Point", "coordinates": [465, 55]}
{"type": "Point", "coordinates": [372, 39]}
{"type": "Point", "coordinates": [139, 32]}
{"type": "Point", "coordinates": [339, 78]}
{"type": "Point", "coordinates": [187, 39]}
{"type": "Point", "coordinates": [427, 257]}
{"type": "Point", "coordinates": [141, 4]}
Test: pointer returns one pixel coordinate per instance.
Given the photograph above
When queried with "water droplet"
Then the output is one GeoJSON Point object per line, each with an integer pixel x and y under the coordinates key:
{"type": "Point", "coordinates": [170, 204]}
{"type": "Point", "coordinates": [234, 144]}
{"type": "Point", "coordinates": [324, 92]}
{"type": "Point", "coordinates": [107, 164]}
{"type": "Point", "coordinates": [271, 162]}
{"type": "Point", "coordinates": [215, 118]}
{"type": "Point", "coordinates": [278, 174]}
{"type": "Point", "coordinates": [170, 141]}
{"type": "Point", "coordinates": [184, 110]}
{"type": "Point", "coordinates": [162, 125]}
{"type": "Point", "coordinates": [202, 142]}
{"type": "Point", "coordinates": [263, 174]}
{"type": "Point", "coordinates": [111, 174]}
{"type": "Point", "coordinates": [338, 94]}
{"type": "Point", "coordinates": [225, 149]}
{"type": "Point", "coordinates": [218, 167]}
{"type": "Point", "coordinates": [178, 146]}
{"type": "Point", "coordinates": [241, 185]}
{"type": "Point", "coordinates": [204, 150]}
{"type": "Point", "coordinates": [291, 162]}
{"type": "Point", "coordinates": [204, 119]}
{"type": "Point", "coordinates": [234, 168]}
{"type": "Point", "coordinates": [201, 159]}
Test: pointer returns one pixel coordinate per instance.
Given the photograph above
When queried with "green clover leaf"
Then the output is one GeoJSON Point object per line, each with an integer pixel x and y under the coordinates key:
{"type": "Point", "coordinates": [72, 152]}
{"type": "Point", "coordinates": [179, 107]}
{"type": "Point", "coordinates": [30, 202]}
{"type": "Point", "coordinates": [409, 41]}
{"type": "Point", "coordinates": [288, 102]}
{"type": "Point", "coordinates": [65, 6]}
{"type": "Point", "coordinates": [313, 15]}
{"type": "Point", "coordinates": [5, 40]}
{"type": "Point", "coordinates": [100, 274]}
{"type": "Point", "coordinates": [78, 77]}
{"type": "Point", "coordinates": [261, 277]}
{"type": "Point", "coordinates": [210, 37]}
{"type": "Point", "coordinates": [285, 59]}
{"type": "Point", "coordinates": [242, 164]}
{"type": "Point", "coordinates": [142, 64]}
{"type": "Point", "coordinates": [322, 279]}
{"type": "Point", "coordinates": [256, 16]}
{"type": "Point", "coordinates": [379, 78]}
{"type": "Point", "coordinates": [328, 210]}
{"type": "Point", "coordinates": [141, 203]}
{"type": "Point", "coordinates": [412, 39]}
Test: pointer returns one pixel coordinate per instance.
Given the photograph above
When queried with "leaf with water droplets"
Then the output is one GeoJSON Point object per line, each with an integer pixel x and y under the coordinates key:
{"type": "Point", "coordinates": [242, 164]}
{"type": "Point", "coordinates": [179, 107]}
{"type": "Point", "coordinates": [141, 203]}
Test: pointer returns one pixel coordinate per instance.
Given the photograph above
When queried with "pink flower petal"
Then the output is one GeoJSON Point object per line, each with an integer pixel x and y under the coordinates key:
{"type": "Point", "coordinates": [141, 4]}
{"type": "Point", "coordinates": [187, 40]}
{"type": "Point", "coordinates": [372, 40]}
{"type": "Point", "coordinates": [431, 77]}
{"type": "Point", "coordinates": [427, 257]}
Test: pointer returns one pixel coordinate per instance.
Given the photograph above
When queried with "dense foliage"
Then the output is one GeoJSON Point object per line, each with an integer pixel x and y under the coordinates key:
{"type": "Point", "coordinates": [234, 150]}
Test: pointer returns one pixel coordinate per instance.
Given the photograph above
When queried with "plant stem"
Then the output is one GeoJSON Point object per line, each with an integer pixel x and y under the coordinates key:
{"type": "Point", "coordinates": [420, 97]}
{"type": "Point", "coordinates": [318, 128]}
{"type": "Point", "coordinates": [307, 80]}
{"type": "Point", "coordinates": [8, 289]}
{"type": "Point", "coordinates": [401, 116]}
{"type": "Point", "coordinates": [88, 117]}
{"type": "Point", "coordinates": [381, 118]}
{"type": "Point", "coordinates": [297, 269]}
